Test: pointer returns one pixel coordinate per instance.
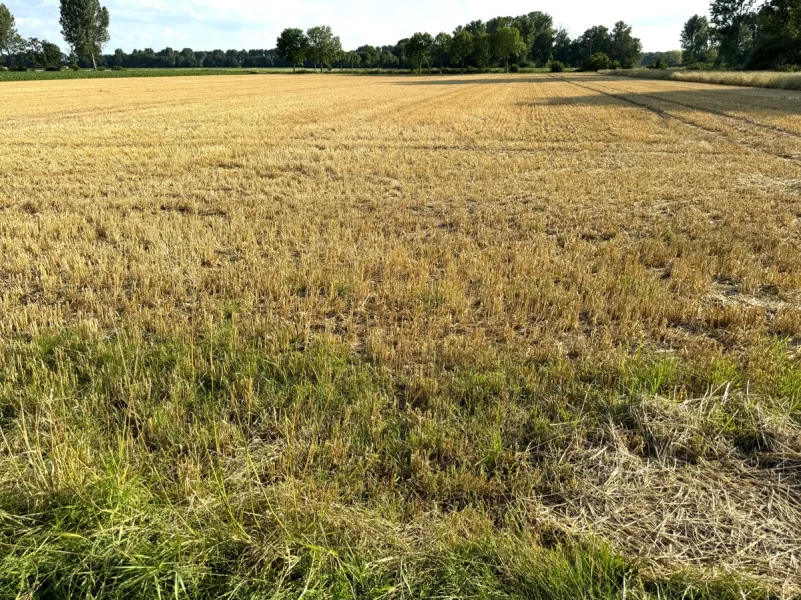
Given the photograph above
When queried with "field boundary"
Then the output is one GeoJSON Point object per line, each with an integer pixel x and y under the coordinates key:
{"type": "Point", "coordinates": [754, 79]}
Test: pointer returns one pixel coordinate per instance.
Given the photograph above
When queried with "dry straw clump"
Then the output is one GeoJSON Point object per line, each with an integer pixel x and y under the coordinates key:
{"type": "Point", "coordinates": [666, 485]}
{"type": "Point", "coordinates": [399, 336]}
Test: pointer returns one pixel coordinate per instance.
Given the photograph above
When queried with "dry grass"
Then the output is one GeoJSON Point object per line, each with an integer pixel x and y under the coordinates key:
{"type": "Point", "coordinates": [314, 320]}
{"type": "Point", "coordinates": [758, 79]}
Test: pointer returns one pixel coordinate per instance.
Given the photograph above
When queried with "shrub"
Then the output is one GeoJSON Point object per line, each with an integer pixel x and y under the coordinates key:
{"type": "Point", "coordinates": [75, 67]}
{"type": "Point", "coordinates": [659, 65]}
{"type": "Point", "coordinates": [557, 67]}
{"type": "Point", "coordinates": [117, 68]}
{"type": "Point", "coordinates": [19, 68]}
{"type": "Point", "coordinates": [3, 69]}
{"type": "Point", "coordinates": [514, 68]}
{"type": "Point", "coordinates": [598, 62]}
{"type": "Point", "coordinates": [52, 68]}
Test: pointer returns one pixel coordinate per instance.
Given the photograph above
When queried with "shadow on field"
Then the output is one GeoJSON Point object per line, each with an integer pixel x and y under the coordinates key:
{"type": "Point", "coordinates": [709, 100]}
{"type": "Point", "coordinates": [530, 79]}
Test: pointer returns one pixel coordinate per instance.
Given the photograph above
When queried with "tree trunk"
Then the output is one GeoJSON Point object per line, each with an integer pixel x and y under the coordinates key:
{"type": "Point", "coordinates": [94, 64]}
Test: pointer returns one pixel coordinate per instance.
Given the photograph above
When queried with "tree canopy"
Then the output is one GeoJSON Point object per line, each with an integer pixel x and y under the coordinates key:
{"type": "Point", "coordinates": [695, 38]}
{"type": "Point", "coordinates": [8, 30]}
{"type": "Point", "coordinates": [733, 21]}
{"type": "Point", "coordinates": [418, 49]}
{"type": "Point", "coordinates": [507, 42]}
{"type": "Point", "coordinates": [293, 46]}
{"type": "Point", "coordinates": [738, 34]}
{"type": "Point", "coordinates": [324, 46]}
{"type": "Point", "coordinates": [84, 25]}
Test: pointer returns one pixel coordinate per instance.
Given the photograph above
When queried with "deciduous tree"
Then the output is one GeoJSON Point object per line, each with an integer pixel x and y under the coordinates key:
{"type": "Point", "coordinates": [51, 55]}
{"type": "Point", "coordinates": [506, 42]}
{"type": "Point", "coordinates": [482, 50]}
{"type": "Point", "coordinates": [624, 48]}
{"type": "Point", "coordinates": [441, 48]}
{"type": "Point", "coordinates": [732, 19]}
{"type": "Point", "coordinates": [324, 46]}
{"type": "Point", "coordinates": [293, 46]}
{"type": "Point", "coordinates": [84, 25]}
{"type": "Point", "coordinates": [461, 46]}
{"type": "Point", "coordinates": [695, 40]}
{"type": "Point", "coordinates": [418, 50]}
{"type": "Point", "coordinates": [8, 30]}
{"type": "Point", "coordinates": [779, 41]}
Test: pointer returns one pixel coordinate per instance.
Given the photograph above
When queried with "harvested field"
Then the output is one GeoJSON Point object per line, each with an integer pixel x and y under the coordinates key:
{"type": "Point", "coordinates": [326, 336]}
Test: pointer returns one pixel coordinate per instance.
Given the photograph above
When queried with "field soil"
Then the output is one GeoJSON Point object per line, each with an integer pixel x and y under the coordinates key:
{"type": "Point", "coordinates": [501, 336]}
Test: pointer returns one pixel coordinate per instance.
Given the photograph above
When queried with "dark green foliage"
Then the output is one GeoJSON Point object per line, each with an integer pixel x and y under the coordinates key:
{"type": "Point", "coordinates": [557, 67]}
{"type": "Point", "coordinates": [595, 40]}
{"type": "Point", "coordinates": [323, 46]}
{"type": "Point", "coordinates": [461, 46]}
{"type": "Point", "coordinates": [530, 39]}
{"type": "Point", "coordinates": [597, 62]}
{"type": "Point", "coordinates": [695, 40]}
{"type": "Point", "coordinates": [293, 46]}
{"type": "Point", "coordinates": [84, 25]}
{"type": "Point", "coordinates": [672, 58]}
{"type": "Point", "coordinates": [51, 55]}
{"type": "Point", "coordinates": [734, 29]}
{"type": "Point", "coordinates": [506, 42]}
{"type": "Point", "coordinates": [624, 48]}
{"type": "Point", "coordinates": [8, 30]}
{"type": "Point", "coordinates": [778, 43]}
{"type": "Point", "coordinates": [482, 51]}
{"type": "Point", "coordinates": [417, 50]}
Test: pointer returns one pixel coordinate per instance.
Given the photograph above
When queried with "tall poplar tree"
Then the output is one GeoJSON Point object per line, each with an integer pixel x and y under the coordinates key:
{"type": "Point", "coordinates": [84, 25]}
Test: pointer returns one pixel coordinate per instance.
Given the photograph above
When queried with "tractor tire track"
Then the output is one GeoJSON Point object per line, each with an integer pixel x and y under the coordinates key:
{"type": "Point", "coordinates": [694, 125]}
{"type": "Point", "coordinates": [720, 113]}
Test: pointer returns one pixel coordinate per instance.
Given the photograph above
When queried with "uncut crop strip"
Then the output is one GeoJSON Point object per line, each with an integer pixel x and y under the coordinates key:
{"type": "Point", "coordinates": [626, 97]}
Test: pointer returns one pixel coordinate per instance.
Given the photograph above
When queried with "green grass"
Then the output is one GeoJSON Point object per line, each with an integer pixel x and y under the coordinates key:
{"type": "Point", "coordinates": [242, 466]}
{"type": "Point", "coordinates": [166, 72]}
{"type": "Point", "coordinates": [107, 74]}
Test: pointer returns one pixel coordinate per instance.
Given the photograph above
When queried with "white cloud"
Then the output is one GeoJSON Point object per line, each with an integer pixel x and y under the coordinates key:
{"type": "Point", "coordinates": [154, 5]}
{"type": "Point", "coordinates": [207, 24]}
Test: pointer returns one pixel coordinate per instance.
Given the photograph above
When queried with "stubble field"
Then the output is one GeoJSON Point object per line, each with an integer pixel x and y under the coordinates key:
{"type": "Point", "coordinates": [375, 337]}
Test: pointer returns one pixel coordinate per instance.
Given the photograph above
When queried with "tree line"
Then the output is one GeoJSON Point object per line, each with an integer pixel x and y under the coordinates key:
{"type": "Point", "coordinates": [525, 40]}
{"type": "Point", "coordinates": [739, 34]}
{"type": "Point", "coordinates": [84, 26]}
{"type": "Point", "coordinates": [745, 34]}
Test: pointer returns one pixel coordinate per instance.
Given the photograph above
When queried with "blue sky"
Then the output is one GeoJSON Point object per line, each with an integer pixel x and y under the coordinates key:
{"type": "Point", "coordinates": [209, 24]}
